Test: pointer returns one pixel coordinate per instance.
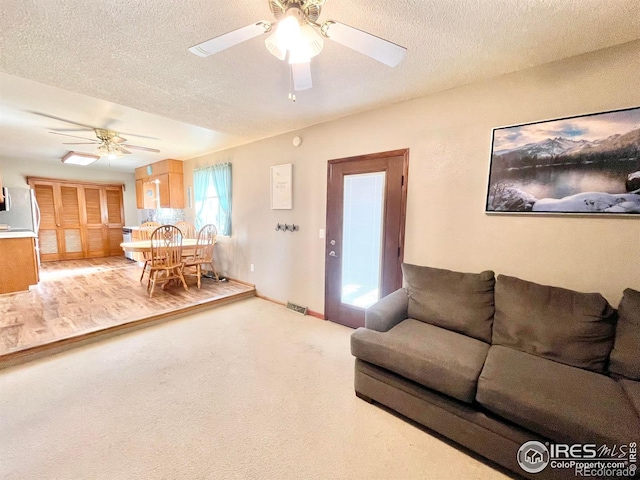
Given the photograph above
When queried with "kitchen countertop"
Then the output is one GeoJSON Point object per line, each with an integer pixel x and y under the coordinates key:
{"type": "Point", "coordinates": [17, 233]}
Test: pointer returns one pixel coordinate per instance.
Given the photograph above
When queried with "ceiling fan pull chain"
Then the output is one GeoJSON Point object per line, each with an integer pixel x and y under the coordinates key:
{"type": "Point", "coordinates": [292, 96]}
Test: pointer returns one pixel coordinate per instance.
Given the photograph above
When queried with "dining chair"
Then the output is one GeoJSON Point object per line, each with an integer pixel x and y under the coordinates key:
{"type": "Point", "coordinates": [166, 257]}
{"type": "Point", "coordinates": [144, 233]}
{"type": "Point", "coordinates": [188, 229]}
{"type": "Point", "coordinates": [203, 253]}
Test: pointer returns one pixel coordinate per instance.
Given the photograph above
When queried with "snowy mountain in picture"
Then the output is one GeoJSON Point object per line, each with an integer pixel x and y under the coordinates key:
{"type": "Point", "coordinates": [547, 148]}
{"type": "Point", "coordinates": [553, 147]}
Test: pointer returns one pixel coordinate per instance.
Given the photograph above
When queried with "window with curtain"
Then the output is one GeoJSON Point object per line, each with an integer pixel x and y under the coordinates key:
{"type": "Point", "coordinates": [212, 192]}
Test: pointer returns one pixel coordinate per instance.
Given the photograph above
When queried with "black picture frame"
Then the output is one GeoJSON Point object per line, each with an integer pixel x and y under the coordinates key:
{"type": "Point", "coordinates": [579, 165]}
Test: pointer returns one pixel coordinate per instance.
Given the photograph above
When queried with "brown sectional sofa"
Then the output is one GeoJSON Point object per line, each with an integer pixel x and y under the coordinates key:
{"type": "Point", "coordinates": [494, 363]}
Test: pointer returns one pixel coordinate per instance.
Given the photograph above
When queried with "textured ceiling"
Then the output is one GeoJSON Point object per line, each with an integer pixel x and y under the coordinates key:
{"type": "Point", "coordinates": [135, 54]}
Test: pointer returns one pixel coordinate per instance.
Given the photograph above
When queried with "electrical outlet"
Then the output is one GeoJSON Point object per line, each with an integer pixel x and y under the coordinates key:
{"type": "Point", "coordinates": [251, 268]}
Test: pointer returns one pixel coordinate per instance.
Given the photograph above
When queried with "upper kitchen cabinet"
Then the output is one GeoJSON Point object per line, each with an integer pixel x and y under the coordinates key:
{"type": "Point", "coordinates": [160, 185]}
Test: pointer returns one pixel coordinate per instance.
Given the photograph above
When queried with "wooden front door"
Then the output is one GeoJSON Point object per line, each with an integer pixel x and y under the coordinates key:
{"type": "Point", "coordinates": [366, 204]}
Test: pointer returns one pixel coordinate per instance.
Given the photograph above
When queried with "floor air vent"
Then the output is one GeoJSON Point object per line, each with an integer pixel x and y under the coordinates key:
{"type": "Point", "coordinates": [297, 308]}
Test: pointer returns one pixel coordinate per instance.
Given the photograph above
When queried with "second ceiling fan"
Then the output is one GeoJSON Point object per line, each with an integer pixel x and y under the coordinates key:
{"type": "Point", "coordinates": [109, 143]}
{"type": "Point", "coordinates": [298, 37]}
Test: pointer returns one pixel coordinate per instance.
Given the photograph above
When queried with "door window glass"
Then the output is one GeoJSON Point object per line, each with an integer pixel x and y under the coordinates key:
{"type": "Point", "coordinates": [362, 238]}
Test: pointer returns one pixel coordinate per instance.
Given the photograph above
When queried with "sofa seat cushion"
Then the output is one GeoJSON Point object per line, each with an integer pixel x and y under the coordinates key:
{"type": "Point", "coordinates": [625, 356]}
{"type": "Point", "coordinates": [563, 403]}
{"type": "Point", "coordinates": [431, 356]}
{"type": "Point", "coordinates": [555, 323]}
{"type": "Point", "coordinates": [632, 389]}
{"type": "Point", "coordinates": [462, 302]}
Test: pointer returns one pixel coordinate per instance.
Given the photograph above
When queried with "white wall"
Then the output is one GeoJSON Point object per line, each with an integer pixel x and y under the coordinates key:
{"type": "Point", "coordinates": [449, 136]}
{"type": "Point", "coordinates": [15, 172]}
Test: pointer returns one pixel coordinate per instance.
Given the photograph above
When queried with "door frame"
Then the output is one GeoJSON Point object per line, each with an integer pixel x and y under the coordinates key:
{"type": "Point", "coordinates": [397, 282]}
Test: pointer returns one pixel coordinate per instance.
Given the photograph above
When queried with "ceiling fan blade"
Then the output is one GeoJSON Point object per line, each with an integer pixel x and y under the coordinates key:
{"type": "Point", "coordinates": [75, 136]}
{"type": "Point", "coordinates": [377, 48]}
{"type": "Point", "coordinates": [61, 119]}
{"type": "Point", "coordinates": [139, 136]}
{"type": "Point", "coordinates": [73, 129]}
{"type": "Point", "coordinates": [80, 143]}
{"type": "Point", "coordinates": [301, 73]}
{"type": "Point", "coordinates": [230, 39]}
{"type": "Point", "coordinates": [146, 149]}
{"type": "Point", "coordinates": [118, 139]}
{"type": "Point", "coordinates": [124, 150]}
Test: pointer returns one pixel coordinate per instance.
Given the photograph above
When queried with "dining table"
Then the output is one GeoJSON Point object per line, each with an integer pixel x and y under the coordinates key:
{"type": "Point", "coordinates": [142, 246]}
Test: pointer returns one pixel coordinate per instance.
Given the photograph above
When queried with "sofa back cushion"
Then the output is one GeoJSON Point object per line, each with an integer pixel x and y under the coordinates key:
{"type": "Point", "coordinates": [625, 356]}
{"type": "Point", "coordinates": [461, 302]}
{"type": "Point", "coordinates": [555, 323]}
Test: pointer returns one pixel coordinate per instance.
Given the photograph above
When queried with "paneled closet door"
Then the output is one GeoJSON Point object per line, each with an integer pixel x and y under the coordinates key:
{"type": "Point", "coordinates": [79, 219]}
{"type": "Point", "coordinates": [114, 219]}
{"type": "Point", "coordinates": [96, 232]}
{"type": "Point", "coordinates": [48, 235]}
{"type": "Point", "coordinates": [70, 222]}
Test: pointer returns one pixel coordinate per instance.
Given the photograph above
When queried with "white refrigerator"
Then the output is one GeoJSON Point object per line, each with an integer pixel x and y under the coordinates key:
{"type": "Point", "coordinates": [21, 212]}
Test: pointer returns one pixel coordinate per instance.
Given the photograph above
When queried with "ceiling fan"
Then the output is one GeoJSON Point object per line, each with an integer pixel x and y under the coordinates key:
{"type": "Point", "coordinates": [299, 37]}
{"type": "Point", "coordinates": [109, 142]}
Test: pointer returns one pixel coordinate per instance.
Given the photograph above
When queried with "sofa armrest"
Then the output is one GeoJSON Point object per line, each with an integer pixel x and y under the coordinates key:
{"type": "Point", "coordinates": [387, 312]}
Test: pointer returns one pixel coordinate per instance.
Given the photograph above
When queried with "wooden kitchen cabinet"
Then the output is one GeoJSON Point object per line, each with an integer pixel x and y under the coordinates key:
{"type": "Point", "coordinates": [139, 194]}
{"type": "Point", "coordinates": [78, 219]}
{"type": "Point", "coordinates": [160, 185]}
{"type": "Point", "coordinates": [18, 264]}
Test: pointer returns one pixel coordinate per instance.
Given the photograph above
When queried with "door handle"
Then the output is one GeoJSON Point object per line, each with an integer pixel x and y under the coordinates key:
{"type": "Point", "coordinates": [332, 242]}
{"type": "Point", "coordinates": [332, 254]}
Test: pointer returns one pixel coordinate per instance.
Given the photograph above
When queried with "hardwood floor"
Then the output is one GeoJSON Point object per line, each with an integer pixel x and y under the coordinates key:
{"type": "Point", "coordinates": [79, 297]}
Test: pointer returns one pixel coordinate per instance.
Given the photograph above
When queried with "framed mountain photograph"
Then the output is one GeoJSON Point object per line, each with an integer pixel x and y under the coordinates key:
{"type": "Point", "coordinates": [588, 164]}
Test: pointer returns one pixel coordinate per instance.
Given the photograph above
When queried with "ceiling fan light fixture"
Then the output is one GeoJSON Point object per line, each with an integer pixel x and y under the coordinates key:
{"type": "Point", "coordinates": [275, 47]}
{"type": "Point", "coordinates": [75, 158]}
{"type": "Point", "coordinates": [295, 36]}
{"type": "Point", "coordinates": [113, 152]}
{"type": "Point", "coordinates": [102, 151]}
{"type": "Point", "coordinates": [288, 31]}
{"type": "Point", "coordinates": [286, 37]}
{"type": "Point", "coordinates": [309, 46]}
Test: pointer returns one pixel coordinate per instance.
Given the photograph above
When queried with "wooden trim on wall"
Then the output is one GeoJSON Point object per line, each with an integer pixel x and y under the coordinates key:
{"type": "Point", "coordinates": [74, 182]}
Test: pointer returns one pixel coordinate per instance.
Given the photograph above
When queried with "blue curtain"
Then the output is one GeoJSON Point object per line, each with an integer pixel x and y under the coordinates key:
{"type": "Point", "coordinates": [217, 176]}
{"type": "Point", "coordinates": [222, 182]}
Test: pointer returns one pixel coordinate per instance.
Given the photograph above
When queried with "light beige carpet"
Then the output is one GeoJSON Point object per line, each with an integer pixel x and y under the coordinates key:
{"type": "Point", "coordinates": [247, 390]}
